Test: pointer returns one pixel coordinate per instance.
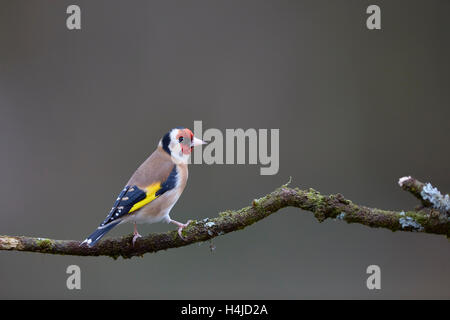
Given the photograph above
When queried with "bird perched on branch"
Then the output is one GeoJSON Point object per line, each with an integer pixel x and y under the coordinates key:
{"type": "Point", "coordinates": [154, 188]}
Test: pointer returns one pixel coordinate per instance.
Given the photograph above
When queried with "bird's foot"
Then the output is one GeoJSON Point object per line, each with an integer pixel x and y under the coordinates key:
{"type": "Point", "coordinates": [136, 234]}
{"type": "Point", "coordinates": [181, 226]}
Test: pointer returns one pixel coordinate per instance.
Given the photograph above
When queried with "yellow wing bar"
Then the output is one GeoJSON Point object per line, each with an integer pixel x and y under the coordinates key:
{"type": "Point", "coordinates": [151, 195]}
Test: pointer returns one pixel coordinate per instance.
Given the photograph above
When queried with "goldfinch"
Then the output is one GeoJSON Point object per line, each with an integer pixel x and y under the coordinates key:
{"type": "Point", "coordinates": [154, 188]}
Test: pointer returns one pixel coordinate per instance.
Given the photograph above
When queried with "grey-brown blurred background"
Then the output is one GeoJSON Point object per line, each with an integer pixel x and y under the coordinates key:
{"type": "Point", "coordinates": [356, 109]}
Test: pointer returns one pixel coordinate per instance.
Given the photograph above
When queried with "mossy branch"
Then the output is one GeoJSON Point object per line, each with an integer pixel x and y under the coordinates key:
{"type": "Point", "coordinates": [427, 220]}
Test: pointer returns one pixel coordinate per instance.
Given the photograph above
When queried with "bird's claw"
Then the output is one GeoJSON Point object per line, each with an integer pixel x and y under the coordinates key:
{"type": "Point", "coordinates": [181, 227]}
{"type": "Point", "coordinates": [136, 236]}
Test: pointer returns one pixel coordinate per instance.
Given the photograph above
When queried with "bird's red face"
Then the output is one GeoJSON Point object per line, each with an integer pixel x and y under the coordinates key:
{"type": "Point", "coordinates": [185, 137]}
{"type": "Point", "coordinates": [179, 143]}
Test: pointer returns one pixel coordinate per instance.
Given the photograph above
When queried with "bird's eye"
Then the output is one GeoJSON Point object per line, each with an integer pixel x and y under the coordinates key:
{"type": "Point", "coordinates": [180, 139]}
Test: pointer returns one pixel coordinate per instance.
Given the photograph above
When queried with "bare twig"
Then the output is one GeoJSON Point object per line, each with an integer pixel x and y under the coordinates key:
{"type": "Point", "coordinates": [415, 187]}
{"type": "Point", "coordinates": [427, 220]}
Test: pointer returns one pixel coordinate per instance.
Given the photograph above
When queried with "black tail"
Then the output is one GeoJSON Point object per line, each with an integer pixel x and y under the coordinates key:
{"type": "Point", "coordinates": [99, 233]}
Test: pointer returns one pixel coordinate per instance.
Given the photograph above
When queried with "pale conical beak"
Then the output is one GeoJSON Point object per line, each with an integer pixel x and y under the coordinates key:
{"type": "Point", "coordinates": [197, 142]}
